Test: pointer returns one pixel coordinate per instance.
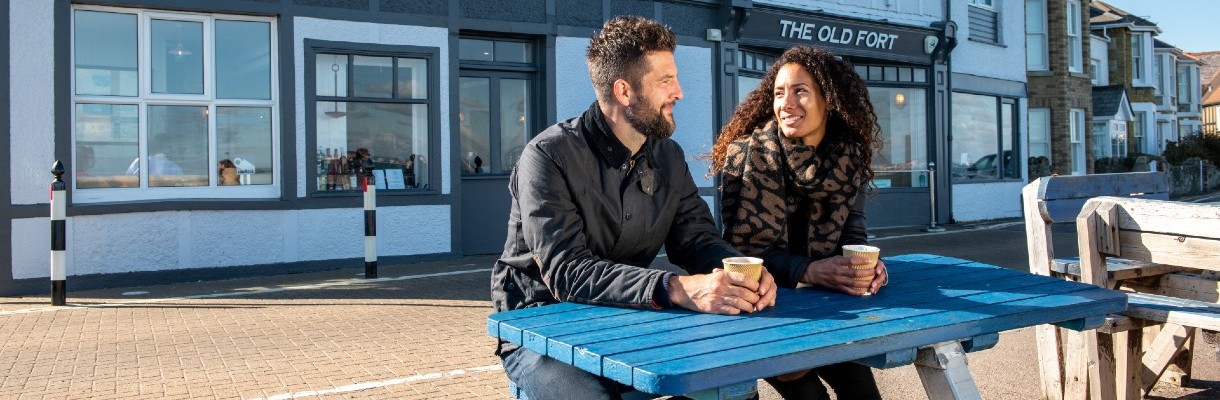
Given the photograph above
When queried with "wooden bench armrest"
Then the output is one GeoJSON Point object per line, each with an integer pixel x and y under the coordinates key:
{"type": "Point", "coordinates": [1118, 269]}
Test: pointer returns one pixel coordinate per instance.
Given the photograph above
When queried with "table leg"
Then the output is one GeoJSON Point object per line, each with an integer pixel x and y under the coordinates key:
{"type": "Point", "coordinates": [944, 371]}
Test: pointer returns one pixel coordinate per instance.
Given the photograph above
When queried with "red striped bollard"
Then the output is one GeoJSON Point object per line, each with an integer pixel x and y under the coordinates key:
{"type": "Point", "coordinates": [369, 185]}
{"type": "Point", "coordinates": [59, 241]}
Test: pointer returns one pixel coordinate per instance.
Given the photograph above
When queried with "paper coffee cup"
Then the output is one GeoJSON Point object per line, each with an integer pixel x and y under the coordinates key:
{"type": "Point", "coordinates": [749, 266]}
{"type": "Point", "coordinates": [863, 251]}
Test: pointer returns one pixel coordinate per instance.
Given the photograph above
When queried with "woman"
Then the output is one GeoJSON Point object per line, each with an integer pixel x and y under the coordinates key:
{"type": "Point", "coordinates": [795, 161]}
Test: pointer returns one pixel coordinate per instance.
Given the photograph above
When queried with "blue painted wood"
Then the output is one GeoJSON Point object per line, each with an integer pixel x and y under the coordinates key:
{"type": "Point", "coordinates": [494, 320]}
{"type": "Point", "coordinates": [589, 354]}
{"type": "Point", "coordinates": [981, 342]}
{"type": "Point", "coordinates": [1083, 324]}
{"type": "Point", "coordinates": [891, 359]}
{"type": "Point", "coordinates": [930, 299]}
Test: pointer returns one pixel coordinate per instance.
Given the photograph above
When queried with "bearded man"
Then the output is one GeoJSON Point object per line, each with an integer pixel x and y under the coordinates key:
{"type": "Point", "coordinates": [594, 199]}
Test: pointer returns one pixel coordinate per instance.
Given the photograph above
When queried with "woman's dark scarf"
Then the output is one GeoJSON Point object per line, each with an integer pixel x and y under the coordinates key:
{"type": "Point", "coordinates": [766, 177]}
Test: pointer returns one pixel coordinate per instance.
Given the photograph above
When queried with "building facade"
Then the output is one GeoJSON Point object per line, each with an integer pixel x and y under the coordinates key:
{"type": "Point", "coordinates": [206, 139]}
{"type": "Point", "coordinates": [1059, 56]}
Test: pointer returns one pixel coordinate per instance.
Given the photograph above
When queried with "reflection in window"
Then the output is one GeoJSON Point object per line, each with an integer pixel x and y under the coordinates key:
{"type": "Point", "coordinates": [107, 140]}
{"type": "Point", "coordinates": [106, 61]}
{"type": "Point", "coordinates": [177, 57]}
{"type": "Point", "coordinates": [982, 144]}
{"type": "Point", "coordinates": [181, 134]}
{"type": "Point", "coordinates": [474, 124]}
{"type": "Point", "coordinates": [391, 134]}
{"type": "Point", "coordinates": [496, 106]}
{"type": "Point", "coordinates": [902, 115]}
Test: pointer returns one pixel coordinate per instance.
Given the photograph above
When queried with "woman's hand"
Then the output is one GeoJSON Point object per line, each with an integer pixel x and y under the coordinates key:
{"type": "Point", "coordinates": [836, 273]}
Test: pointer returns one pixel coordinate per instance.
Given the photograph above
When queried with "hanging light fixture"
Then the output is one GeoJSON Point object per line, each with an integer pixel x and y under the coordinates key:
{"type": "Point", "coordinates": [900, 99]}
{"type": "Point", "coordinates": [179, 50]}
{"type": "Point", "coordinates": [336, 113]}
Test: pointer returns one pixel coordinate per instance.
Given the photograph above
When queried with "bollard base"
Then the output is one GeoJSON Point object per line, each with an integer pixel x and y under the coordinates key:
{"type": "Point", "coordinates": [59, 293]}
{"type": "Point", "coordinates": [370, 269]}
{"type": "Point", "coordinates": [933, 229]}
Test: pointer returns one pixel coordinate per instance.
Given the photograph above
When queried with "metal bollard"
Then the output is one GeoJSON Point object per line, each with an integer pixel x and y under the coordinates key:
{"type": "Point", "coordinates": [368, 185]}
{"type": "Point", "coordinates": [932, 192]}
{"type": "Point", "coordinates": [59, 241]}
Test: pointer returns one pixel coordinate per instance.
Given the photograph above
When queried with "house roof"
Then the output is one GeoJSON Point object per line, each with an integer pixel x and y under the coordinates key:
{"type": "Point", "coordinates": [1102, 14]}
{"type": "Point", "coordinates": [1107, 100]}
{"type": "Point", "coordinates": [1211, 64]}
{"type": "Point", "coordinates": [1211, 91]}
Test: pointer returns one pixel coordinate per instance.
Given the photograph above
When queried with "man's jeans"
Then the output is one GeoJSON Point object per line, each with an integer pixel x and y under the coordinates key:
{"type": "Point", "coordinates": [544, 378]}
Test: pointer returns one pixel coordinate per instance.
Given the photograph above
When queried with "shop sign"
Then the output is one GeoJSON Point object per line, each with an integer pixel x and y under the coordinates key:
{"type": "Point", "coordinates": [849, 37]}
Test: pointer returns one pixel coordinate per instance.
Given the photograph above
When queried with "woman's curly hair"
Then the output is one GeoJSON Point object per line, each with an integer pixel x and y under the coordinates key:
{"type": "Point", "coordinates": [851, 119]}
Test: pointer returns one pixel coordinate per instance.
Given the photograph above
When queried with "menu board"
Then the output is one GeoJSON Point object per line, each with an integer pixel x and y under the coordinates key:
{"type": "Point", "coordinates": [379, 178]}
{"type": "Point", "coordinates": [394, 179]}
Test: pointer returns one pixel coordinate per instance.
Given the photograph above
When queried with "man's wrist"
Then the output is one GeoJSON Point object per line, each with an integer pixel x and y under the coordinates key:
{"type": "Point", "coordinates": [661, 298]}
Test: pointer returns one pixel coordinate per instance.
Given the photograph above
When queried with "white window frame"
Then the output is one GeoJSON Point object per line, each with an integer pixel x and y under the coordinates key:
{"type": "Point", "coordinates": [984, 3]}
{"type": "Point", "coordinates": [146, 97]}
{"type": "Point", "coordinates": [1137, 134]}
{"type": "Point", "coordinates": [1040, 118]}
{"type": "Point", "coordinates": [1076, 136]}
{"type": "Point", "coordinates": [1075, 42]}
{"type": "Point", "coordinates": [1139, 59]}
{"type": "Point", "coordinates": [1035, 32]}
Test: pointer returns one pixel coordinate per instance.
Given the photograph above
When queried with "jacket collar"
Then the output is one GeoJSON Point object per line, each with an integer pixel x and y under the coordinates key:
{"type": "Point", "coordinates": [602, 140]}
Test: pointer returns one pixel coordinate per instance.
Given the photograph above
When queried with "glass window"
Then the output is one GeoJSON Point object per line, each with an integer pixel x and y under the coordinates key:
{"type": "Point", "coordinates": [1039, 142]}
{"type": "Point", "coordinates": [177, 56]}
{"type": "Point", "coordinates": [1137, 58]}
{"type": "Point", "coordinates": [902, 116]}
{"type": "Point", "coordinates": [209, 104]}
{"type": "Point", "coordinates": [1035, 36]}
{"type": "Point", "coordinates": [1118, 138]}
{"type": "Point", "coordinates": [1075, 43]}
{"type": "Point", "coordinates": [498, 106]}
{"type": "Point", "coordinates": [1076, 135]}
{"type": "Point", "coordinates": [106, 53]}
{"type": "Point", "coordinates": [243, 66]}
{"type": "Point", "coordinates": [384, 118]}
{"type": "Point", "coordinates": [982, 138]}
{"type": "Point", "coordinates": [1101, 140]}
{"type": "Point", "coordinates": [494, 50]}
{"type": "Point", "coordinates": [1137, 132]}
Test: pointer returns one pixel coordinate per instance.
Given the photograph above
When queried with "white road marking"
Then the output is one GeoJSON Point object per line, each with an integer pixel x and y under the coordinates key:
{"type": "Point", "coordinates": [238, 292]}
{"type": "Point", "coordinates": [977, 228]}
{"type": "Point", "coordinates": [371, 385]}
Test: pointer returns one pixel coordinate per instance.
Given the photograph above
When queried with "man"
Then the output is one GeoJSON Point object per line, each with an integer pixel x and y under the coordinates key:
{"type": "Point", "coordinates": [594, 199]}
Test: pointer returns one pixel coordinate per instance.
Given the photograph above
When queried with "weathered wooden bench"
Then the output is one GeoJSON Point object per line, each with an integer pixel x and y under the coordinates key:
{"type": "Point", "coordinates": [1058, 200]}
{"type": "Point", "coordinates": [1158, 235]}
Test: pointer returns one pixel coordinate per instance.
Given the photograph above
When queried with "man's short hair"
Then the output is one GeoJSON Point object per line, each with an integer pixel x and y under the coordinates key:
{"type": "Point", "coordinates": [616, 51]}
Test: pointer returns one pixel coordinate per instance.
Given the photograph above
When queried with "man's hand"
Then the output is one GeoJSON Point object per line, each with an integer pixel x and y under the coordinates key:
{"type": "Point", "coordinates": [836, 273]}
{"type": "Point", "coordinates": [722, 292]}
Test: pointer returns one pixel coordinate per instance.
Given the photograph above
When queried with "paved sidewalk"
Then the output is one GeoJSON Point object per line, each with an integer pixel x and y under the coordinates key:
{"type": "Point", "coordinates": [417, 333]}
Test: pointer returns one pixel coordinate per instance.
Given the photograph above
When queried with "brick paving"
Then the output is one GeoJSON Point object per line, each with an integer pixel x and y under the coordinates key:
{"type": "Point", "coordinates": [417, 333]}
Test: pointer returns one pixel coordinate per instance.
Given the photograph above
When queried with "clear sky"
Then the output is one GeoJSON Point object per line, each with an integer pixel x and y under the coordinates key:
{"type": "Point", "coordinates": [1186, 24]}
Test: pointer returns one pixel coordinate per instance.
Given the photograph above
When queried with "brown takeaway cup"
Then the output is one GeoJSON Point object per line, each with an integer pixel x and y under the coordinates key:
{"type": "Point", "coordinates": [864, 251]}
{"type": "Point", "coordinates": [749, 266]}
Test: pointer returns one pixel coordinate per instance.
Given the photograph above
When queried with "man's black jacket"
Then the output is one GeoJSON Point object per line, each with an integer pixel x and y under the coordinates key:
{"type": "Point", "coordinates": [588, 218]}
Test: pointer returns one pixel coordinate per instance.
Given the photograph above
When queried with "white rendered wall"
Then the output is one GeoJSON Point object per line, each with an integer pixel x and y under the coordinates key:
{"type": "Point", "coordinates": [172, 240]}
{"type": "Point", "coordinates": [31, 127]}
{"type": "Point", "coordinates": [983, 201]}
{"type": "Point", "coordinates": [364, 32]}
{"type": "Point", "coordinates": [1099, 50]}
{"type": "Point", "coordinates": [979, 59]}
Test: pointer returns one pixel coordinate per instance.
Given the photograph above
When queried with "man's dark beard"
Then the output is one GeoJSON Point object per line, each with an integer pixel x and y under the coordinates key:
{"type": "Point", "coordinates": [651, 123]}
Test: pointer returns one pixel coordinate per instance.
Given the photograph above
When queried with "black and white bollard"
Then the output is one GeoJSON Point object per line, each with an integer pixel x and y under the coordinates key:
{"type": "Point", "coordinates": [369, 186]}
{"type": "Point", "coordinates": [59, 241]}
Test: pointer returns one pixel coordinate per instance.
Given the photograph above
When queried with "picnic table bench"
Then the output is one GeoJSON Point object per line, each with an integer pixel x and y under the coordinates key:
{"type": "Point", "coordinates": [1129, 239]}
{"type": "Point", "coordinates": [934, 310]}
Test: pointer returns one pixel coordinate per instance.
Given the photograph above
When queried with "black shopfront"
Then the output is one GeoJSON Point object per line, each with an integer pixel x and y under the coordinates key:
{"type": "Point", "coordinates": [906, 84]}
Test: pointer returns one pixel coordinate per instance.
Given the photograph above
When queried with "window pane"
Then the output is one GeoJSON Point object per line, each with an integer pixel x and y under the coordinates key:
{"type": "Point", "coordinates": [1009, 166]}
{"type": "Point", "coordinates": [514, 119]}
{"type": "Point", "coordinates": [243, 60]}
{"type": "Point", "coordinates": [394, 137]}
{"type": "Point", "coordinates": [921, 75]}
{"type": "Point", "coordinates": [902, 115]}
{"type": "Point", "coordinates": [975, 137]}
{"type": "Point", "coordinates": [107, 140]}
{"type": "Point", "coordinates": [474, 117]}
{"type": "Point", "coordinates": [475, 50]}
{"type": "Point", "coordinates": [412, 78]}
{"type": "Point", "coordinates": [512, 52]}
{"type": "Point", "coordinates": [243, 139]}
{"type": "Point", "coordinates": [177, 57]}
{"type": "Point", "coordinates": [177, 146]}
{"type": "Point", "coordinates": [372, 76]}
{"type": "Point", "coordinates": [106, 60]}
{"type": "Point", "coordinates": [331, 75]}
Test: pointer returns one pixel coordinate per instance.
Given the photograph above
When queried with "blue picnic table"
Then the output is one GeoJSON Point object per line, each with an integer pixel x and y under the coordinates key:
{"type": "Point", "coordinates": [934, 310]}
